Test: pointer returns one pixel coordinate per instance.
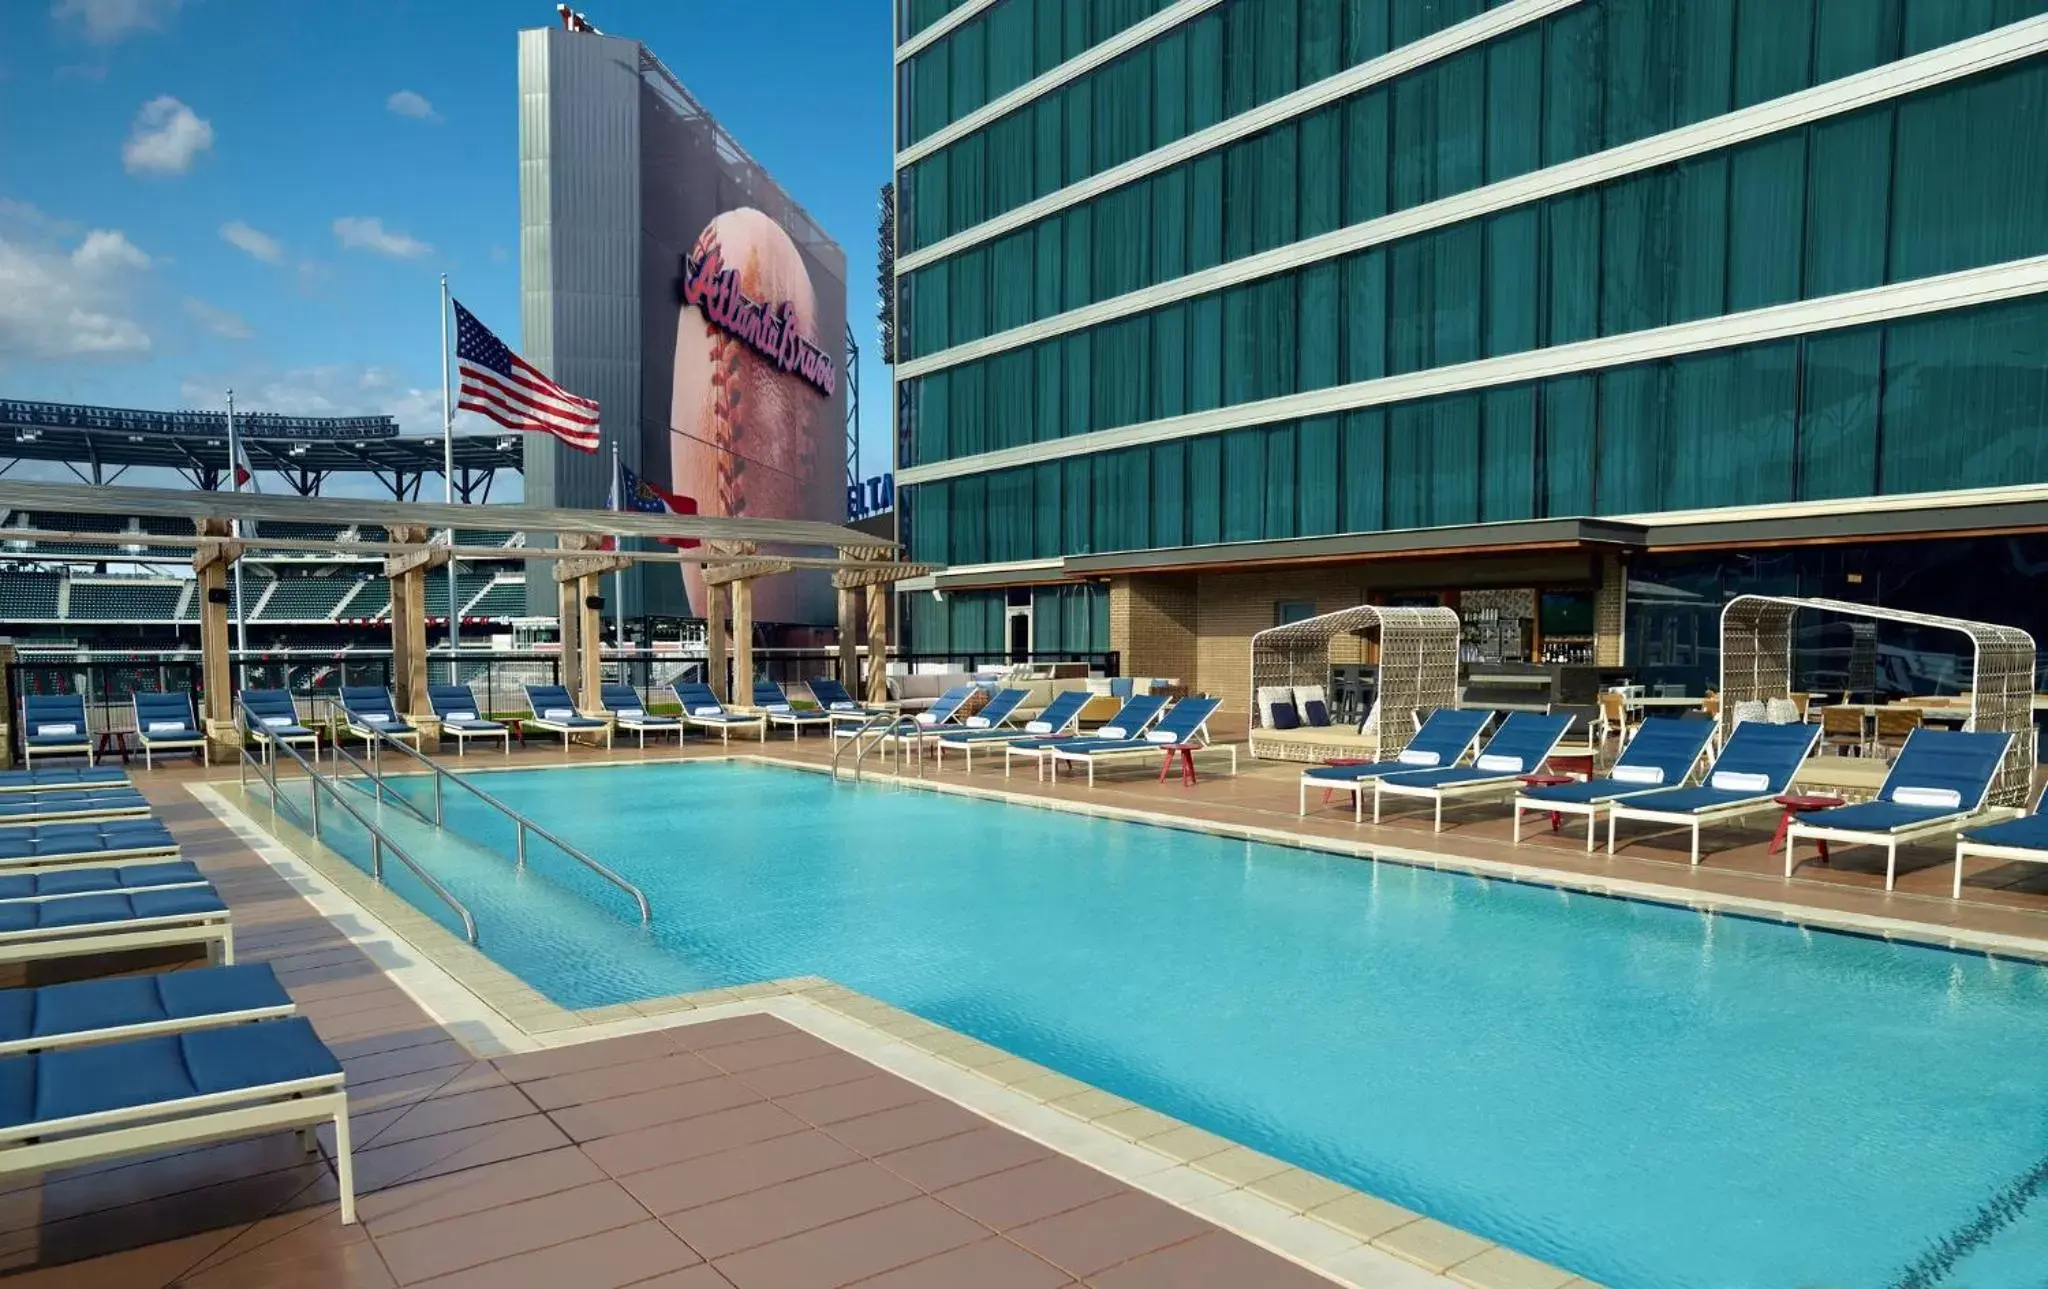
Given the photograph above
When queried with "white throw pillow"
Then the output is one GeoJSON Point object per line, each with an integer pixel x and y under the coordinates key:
{"type": "Point", "coordinates": [556, 714]}
{"type": "Point", "coordinates": [926, 718]}
{"type": "Point", "coordinates": [1112, 731]}
{"type": "Point", "coordinates": [1501, 763]}
{"type": "Point", "coordinates": [374, 718]}
{"type": "Point", "coordinates": [166, 727]}
{"type": "Point", "coordinates": [780, 709]}
{"type": "Point", "coordinates": [632, 713]}
{"type": "Point", "coordinates": [1416, 756]}
{"type": "Point", "coordinates": [977, 722]}
{"type": "Point", "coordinates": [1736, 781]}
{"type": "Point", "coordinates": [460, 716]}
{"type": "Point", "coordinates": [1651, 774]}
{"type": "Point", "coordinates": [1940, 798]}
{"type": "Point", "coordinates": [279, 722]}
{"type": "Point", "coordinates": [1781, 711]}
{"type": "Point", "coordinates": [57, 729]}
{"type": "Point", "coordinates": [1038, 727]}
{"type": "Point", "coordinates": [707, 711]}
{"type": "Point", "coordinates": [845, 707]}
{"type": "Point", "coordinates": [1162, 736]}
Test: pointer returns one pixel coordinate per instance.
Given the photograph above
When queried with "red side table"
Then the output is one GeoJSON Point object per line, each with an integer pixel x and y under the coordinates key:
{"type": "Point", "coordinates": [1796, 804]}
{"type": "Point", "coordinates": [1187, 762]}
{"type": "Point", "coordinates": [1337, 762]}
{"type": "Point", "coordinates": [1550, 781]}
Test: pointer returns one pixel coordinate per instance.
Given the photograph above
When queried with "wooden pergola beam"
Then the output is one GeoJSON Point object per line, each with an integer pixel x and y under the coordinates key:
{"type": "Point", "coordinates": [431, 557]}
{"type": "Point", "coordinates": [577, 567]}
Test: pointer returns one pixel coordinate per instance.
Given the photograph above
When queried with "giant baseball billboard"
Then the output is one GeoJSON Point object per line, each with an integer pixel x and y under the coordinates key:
{"type": "Point", "coordinates": [743, 303]}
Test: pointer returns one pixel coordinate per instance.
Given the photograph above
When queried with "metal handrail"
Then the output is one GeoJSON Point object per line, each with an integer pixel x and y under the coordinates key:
{"type": "Point", "coordinates": [882, 725]}
{"type": "Point", "coordinates": [521, 824]}
{"type": "Point", "coordinates": [370, 771]}
{"type": "Point", "coordinates": [379, 842]}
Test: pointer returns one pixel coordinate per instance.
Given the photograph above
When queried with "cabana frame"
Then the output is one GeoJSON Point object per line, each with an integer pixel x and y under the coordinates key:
{"type": "Point", "coordinates": [1418, 669]}
{"type": "Point", "coordinates": [1756, 664]}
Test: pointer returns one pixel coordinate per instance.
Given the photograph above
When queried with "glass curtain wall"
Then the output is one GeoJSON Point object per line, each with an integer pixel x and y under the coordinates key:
{"type": "Point", "coordinates": [1954, 400]}
{"type": "Point", "coordinates": [1064, 619]}
{"type": "Point", "coordinates": [1909, 189]}
{"type": "Point", "coordinates": [1605, 73]}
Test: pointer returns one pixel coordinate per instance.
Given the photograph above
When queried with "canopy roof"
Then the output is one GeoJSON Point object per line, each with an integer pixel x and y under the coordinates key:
{"type": "Point", "coordinates": [1756, 664]}
{"type": "Point", "coordinates": [1418, 667]}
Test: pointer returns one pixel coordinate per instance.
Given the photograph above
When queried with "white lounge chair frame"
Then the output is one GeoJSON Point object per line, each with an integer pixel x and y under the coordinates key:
{"type": "Point", "coordinates": [1713, 815]}
{"type": "Point", "coordinates": [1967, 850]}
{"type": "Point", "coordinates": [211, 928]}
{"type": "Point", "coordinates": [148, 1029]}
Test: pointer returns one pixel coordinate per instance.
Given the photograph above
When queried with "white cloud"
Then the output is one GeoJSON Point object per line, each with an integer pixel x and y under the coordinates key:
{"type": "Point", "coordinates": [107, 21]}
{"type": "Point", "coordinates": [414, 105]}
{"type": "Point", "coordinates": [166, 139]}
{"type": "Point", "coordinates": [336, 390]}
{"type": "Point", "coordinates": [254, 241]}
{"type": "Point", "coordinates": [57, 304]}
{"type": "Point", "coordinates": [367, 233]}
{"type": "Point", "coordinates": [221, 322]}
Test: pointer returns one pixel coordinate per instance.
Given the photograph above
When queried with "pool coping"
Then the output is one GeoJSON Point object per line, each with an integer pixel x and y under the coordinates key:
{"type": "Point", "coordinates": [1347, 1235]}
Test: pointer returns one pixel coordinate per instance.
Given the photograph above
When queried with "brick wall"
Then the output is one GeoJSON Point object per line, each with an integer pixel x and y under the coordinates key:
{"type": "Point", "coordinates": [1610, 606]}
{"type": "Point", "coordinates": [1152, 623]}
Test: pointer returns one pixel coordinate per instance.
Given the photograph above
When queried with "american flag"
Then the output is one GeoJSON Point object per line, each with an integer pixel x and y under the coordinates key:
{"type": "Point", "coordinates": [513, 392]}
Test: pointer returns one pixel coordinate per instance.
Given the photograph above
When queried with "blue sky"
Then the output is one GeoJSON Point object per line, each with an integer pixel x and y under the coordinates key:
{"type": "Point", "coordinates": [203, 193]}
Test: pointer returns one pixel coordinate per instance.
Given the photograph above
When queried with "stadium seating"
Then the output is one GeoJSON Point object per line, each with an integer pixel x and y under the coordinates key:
{"type": "Point", "coordinates": [305, 599]}
{"type": "Point", "coordinates": [28, 597]}
{"type": "Point", "coordinates": [505, 599]}
{"type": "Point", "coordinates": [482, 537]}
{"type": "Point", "coordinates": [126, 600]}
{"type": "Point", "coordinates": [300, 532]}
{"type": "Point", "coordinates": [373, 599]}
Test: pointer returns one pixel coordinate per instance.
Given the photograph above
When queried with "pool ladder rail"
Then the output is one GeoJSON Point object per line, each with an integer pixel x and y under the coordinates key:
{"type": "Point", "coordinates": [878, 730]}
{"type": "Point", "coordinates": [381, 843]}
{"type": "Point", "coordinates": [521, 825]}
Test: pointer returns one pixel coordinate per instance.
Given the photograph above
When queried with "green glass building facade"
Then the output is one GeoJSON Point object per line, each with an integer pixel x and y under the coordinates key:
{"type": "Point", "coordinates": [1267, 272]}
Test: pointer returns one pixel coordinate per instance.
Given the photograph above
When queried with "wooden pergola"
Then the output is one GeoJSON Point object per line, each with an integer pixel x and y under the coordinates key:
{"type": "Point", "coordinates": [731, 552]}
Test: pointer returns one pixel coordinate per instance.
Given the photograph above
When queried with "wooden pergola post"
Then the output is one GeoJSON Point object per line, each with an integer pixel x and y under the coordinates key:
{"type": "Point", "coordinates": [878, 594]}
{"type": "Point", "coordinates": [736, 579]}
{"type": "Point", "coordinates": [743, 641]}
{"type": "Point", "coordinates": [878, 584]}
{"type": "Point", "coordinates": [576, 583]}
{"type": "Point", "coordinates": [716, 600]}
{"type": "Point", "coordinates": [210, 562]}
{"type": "Point", "coordinates": [408, 574]}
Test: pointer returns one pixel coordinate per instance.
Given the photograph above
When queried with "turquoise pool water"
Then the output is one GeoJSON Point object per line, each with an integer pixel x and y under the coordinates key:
{"type": "Point", "coordinates": [1647, 1097]}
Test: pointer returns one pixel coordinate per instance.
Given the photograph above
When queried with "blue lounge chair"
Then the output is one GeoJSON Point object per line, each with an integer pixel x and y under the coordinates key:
{"type": "Point", "coordinates": [81, 1105]}
{"type": "Point", "coordinates": [1661, 754]}
{"type": "Point", "coordinates": [1186, 722]}
{"type": "Point", "coordinates": [1521, 745]}
{"type": "Point", "coordinates": [1053, 722]}
{"type": "Point", "coordinates": [118, 1008]}
{"type": "Point", "coordinates": [112, 921]}
{"type": "Point", "coordinates": [770, 698]}
{"type": "Point", "coordinates": [554, 710]}
{"type": "Point", "coordinates": [462, 720]}
{"type": "Point", "coordinates": [165, 723]}
{"type": "Point", "coordinates": [66, 778]}
{"type": "Point", "coordinates": [54, 725]}
{"type": "Point", "coordinates": [1755, 766]}
{"type": "Point", "coordinates": [1938, 782]}
{"type": "Point", "coordinates": [43, 883]}
{"type": "Point", "coordinates": [944, 708]}
{"type": "Point", "coordinates": [840, 705]}
{"type": "Point", "coordinates": [270, 717]}
{"type": "Point", "coordinates": [1130, 721]}
{"type": "Point", "coordinates": [368, 713]}
{"type": "Point", "coordinates": [2023, 840]}
{"type": "Point", "coordinates": [49, 807]}
{"type": "Point", "coordinates": [629, 712]}
{"type": "Point", "coordinates": [702, 709]}
{"type": "Point", "coordinates": [97, 842]}
{"type": "Point", "coordinates": [1443, 739]}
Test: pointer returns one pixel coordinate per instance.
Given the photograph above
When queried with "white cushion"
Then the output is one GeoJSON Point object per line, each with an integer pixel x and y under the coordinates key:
{"type": "Point", "coordinates": [279, 722]}
{"type": "Point", "coordinates": [460, 716]}
{"type": "Point", "coordinates": [1038, 727]}
{"type": "Point", "coordinates": [1112, 731]}
{"type": "Point", "coordinates": [707, 711]}
{"type": "Point", "coordinates": [67, 728]}
{"type": "Point", "coordinates": [778, 708]}
{"type": "Point", "coordinates": [556, 714]}
{"type": "Point", "coordinates": [846, 707]}
{"type": "Point", "coordinates": [632, 713]}
{"type": "Point", "coordinates": [1751, 710]}
{"type": "Point", "coordinates": [1736, 781]}
{"type": "Point", "coordinates": [1269, 697]}
{"type": "Point", "coordinates": [1651, 774]}
{"type": "Point", "coordinates": [1097, 685]}
{"type": "Point", "coordinates": [373, 718]}
{"type": "Point", "coordinates": [977, 722]}
{"type": "Point", "coordinates": [1941, 798]}
{"type": "Point", "coordinates": [165, 727]}
{"type": "Point", "coordinates": [1416, 756]}
{"type": "Point", "coordinates": [1501, 763]}
{"type": "Point", "coordinates": [1781, 711]}
{"type": "Point", "coordinates": [1306, 694]}
{"type": "Point", "coordinates": [1162, 736]}
{"type": "Point", "coordinates": [926, 718]}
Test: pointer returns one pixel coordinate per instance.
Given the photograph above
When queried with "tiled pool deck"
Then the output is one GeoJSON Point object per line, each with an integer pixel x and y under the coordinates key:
{"type": "Point", "coordinates": [793, 1133]}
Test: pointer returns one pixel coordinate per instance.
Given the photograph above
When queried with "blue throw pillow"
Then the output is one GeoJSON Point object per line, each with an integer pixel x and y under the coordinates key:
{"type": "Point", "coordinates": [1285, 717]}
{"type": "Point", "coordinates": [1315, 713]}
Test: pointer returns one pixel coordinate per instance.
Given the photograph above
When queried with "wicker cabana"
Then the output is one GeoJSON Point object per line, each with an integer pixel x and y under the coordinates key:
{"type": "Point", "coordinates": [1418, 669]}
{"type": "Point", "coordinates": [1756, 664]}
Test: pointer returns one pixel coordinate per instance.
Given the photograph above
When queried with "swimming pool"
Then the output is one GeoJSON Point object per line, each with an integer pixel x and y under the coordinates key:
{"type": "Point", "coordinates": [1650, 1098]}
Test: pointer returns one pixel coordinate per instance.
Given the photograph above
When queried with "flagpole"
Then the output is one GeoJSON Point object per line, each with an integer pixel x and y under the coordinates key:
{"type": "Point", "coordinates": [235, 485]}
{"type": "Point", "coordinates": [619, 576]}
{"type": "Point", "coordinates": [448, 491]}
